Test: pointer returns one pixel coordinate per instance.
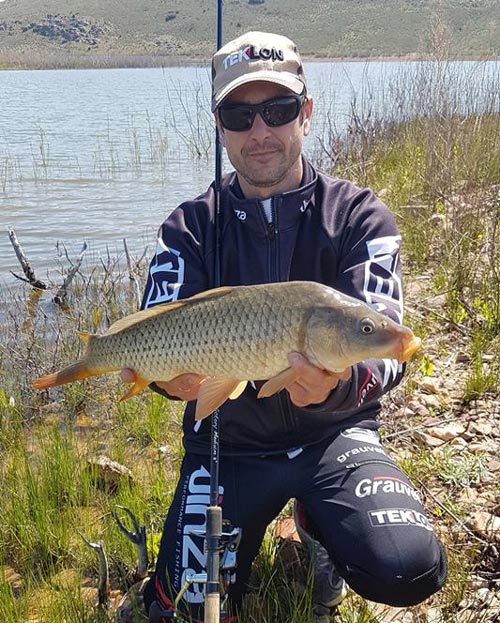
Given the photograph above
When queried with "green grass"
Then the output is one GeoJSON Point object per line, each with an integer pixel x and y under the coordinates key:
{"type": "Point", "coordinates": [140, 31]}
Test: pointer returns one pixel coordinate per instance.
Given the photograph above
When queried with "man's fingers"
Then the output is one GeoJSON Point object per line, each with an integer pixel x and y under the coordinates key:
{"type": "Point", "coordinates": [314, 384]}
{"type": "Point", "coordinates": [184, 386]}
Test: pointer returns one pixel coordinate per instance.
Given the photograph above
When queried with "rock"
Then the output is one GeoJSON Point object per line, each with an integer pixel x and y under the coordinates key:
{"type": "Point", "coordinates": [285, 529]}
{"type": "Point", "coordinates": [428, 440]}
{"type": "Point", "coordinates": [494, 465]}
{"type": "Point", "coordinates": [458, 443]}
{"type": "Point", "coordinates": [430, 401]}
{"type": "Point", "coordinates": [9, 576]}
{"type": "Point", "coordinates": [480, 428]}
{"type": "Point", "coordinates": [447, 432]}
{"type": "Point", "coordinates": [109, 475]}
{"type": "Point", "coordinates": [462, 357]}
{"type": "Point", "coordinates": [477, 582]}
{"type": "Point", "coordinates": [486, 524]}
{"type": "Point", "coordinates": [429, 385]}
{"type": "Point", "coordinates": [468, 495]}
{"type": "Point", "coordinates": [130, 608]}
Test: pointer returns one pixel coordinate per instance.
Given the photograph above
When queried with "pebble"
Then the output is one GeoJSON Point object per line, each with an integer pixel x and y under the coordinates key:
{"type": "Point", "coordinates": [494, 465]}
{"type": "Point", "coordinates": [431, 401]}
{"type": "Point", "coordinates": [428, 440]}
{"type": "Point", "coordinates": [480, 428]}
{"type": "Point", "coordinates": [458, 443]}
{"type": "Point", "coordinates": [429, 385]}
{"type": "Point", "coordinates": [486, 524]}
{"type": "Point", "coordinates": [447, 432]}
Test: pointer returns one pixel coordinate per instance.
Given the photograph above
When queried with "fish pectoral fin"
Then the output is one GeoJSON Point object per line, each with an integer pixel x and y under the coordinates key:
{"type": "Point", "coordinates": [214, 391]}
{"type": "Point", "coordinates": [278, 382]}
{"type": "Point", "coordinates": [139, 385]}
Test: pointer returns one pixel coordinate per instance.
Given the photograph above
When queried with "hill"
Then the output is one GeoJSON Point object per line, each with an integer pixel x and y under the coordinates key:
{"type": "Point", "coordinates": [74, 30]}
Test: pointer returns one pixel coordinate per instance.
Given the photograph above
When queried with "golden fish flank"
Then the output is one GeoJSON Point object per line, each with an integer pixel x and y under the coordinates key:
{"type": "Point", "coordinates": [237, 334]}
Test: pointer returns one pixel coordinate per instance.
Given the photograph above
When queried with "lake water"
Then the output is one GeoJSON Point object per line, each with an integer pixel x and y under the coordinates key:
{"type": "Point", "coordinates": [102, 155]}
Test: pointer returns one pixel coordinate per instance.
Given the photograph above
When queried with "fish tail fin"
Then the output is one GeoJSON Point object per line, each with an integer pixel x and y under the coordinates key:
{"type": "Point", "coordinates": [75, 372]}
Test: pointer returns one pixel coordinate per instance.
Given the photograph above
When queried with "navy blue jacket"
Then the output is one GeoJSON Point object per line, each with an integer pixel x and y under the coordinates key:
{"type": "Point", "coordinates": [329, 231]}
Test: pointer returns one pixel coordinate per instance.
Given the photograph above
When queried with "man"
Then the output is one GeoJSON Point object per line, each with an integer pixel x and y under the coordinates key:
{"type": "Point", "coordinates": [317, 440]}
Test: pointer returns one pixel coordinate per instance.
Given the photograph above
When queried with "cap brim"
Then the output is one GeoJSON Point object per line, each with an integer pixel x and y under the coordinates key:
{"type": "Point", "coordinates": [288, 81]}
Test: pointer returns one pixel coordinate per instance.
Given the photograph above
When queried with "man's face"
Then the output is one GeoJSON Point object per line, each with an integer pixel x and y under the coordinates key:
{"type": "Point", "coordinates": [267, 159]}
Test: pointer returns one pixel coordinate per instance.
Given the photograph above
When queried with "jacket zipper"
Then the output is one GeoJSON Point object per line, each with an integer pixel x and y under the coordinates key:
{"type": "Point", "coordinates": [284, 403]}
{"type": "Point", "coordinates": [272, 235]}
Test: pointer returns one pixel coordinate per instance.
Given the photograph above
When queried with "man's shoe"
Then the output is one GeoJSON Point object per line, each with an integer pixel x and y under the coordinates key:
{"type": "Point", "coordinates": [329, 588]}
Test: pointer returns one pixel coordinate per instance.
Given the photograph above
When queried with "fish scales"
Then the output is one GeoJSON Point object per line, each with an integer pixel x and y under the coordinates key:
{"type": "Point", "coordinates": [233, 335]}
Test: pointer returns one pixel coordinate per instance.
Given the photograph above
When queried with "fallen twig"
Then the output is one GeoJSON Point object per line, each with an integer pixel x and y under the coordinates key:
{"type": "Point", "coordinates": [413, 429]}
{"type": "Point", "coordinates": [451, 514]}
{"type": "Point", "coordinates": [26, 266]}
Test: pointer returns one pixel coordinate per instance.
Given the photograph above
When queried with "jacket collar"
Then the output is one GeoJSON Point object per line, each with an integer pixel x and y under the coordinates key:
{"type": "Point", "coordinates": [287, 207]}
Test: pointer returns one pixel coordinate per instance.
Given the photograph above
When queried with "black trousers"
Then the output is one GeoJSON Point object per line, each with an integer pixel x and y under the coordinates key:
{"type": "Point", "coordinates": [366, 514]}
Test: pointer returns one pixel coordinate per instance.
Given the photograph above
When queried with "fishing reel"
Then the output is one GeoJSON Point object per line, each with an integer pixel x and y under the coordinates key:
{"type": "Point", "coordinates": [229, 543]}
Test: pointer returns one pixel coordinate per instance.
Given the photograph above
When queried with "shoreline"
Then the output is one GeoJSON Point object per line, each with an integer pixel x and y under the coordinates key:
{"type": "Point", "coordinates": [37, 60]}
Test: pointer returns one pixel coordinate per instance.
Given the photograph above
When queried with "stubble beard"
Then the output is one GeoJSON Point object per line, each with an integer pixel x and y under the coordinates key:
{"type": "Point", "coordinates": [262, 176]}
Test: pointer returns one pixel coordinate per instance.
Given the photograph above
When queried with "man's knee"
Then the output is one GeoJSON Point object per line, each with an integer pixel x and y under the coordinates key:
{"type": "Point", "coordinates": [397, 582]}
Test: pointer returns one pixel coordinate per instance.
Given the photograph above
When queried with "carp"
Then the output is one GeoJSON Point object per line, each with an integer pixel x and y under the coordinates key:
{"type": "Point", "coordinates": [233, 335]}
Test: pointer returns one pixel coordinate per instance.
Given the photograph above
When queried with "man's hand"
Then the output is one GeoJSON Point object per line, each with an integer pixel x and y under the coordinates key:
{"type": "Point", "coordinates": [314, 384]}
{"type": "Point", "coordinates": [184, 386]}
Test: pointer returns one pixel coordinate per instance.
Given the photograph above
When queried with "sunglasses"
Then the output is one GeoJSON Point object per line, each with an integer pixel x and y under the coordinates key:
{"type": "Point", "coordinates": [275, 112]}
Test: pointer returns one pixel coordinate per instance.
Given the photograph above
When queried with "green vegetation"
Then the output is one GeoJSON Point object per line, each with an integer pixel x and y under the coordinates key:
{"type": "Point", "coordinates": [53, 33]}
{"type": "Point", "coordinates": [436, 162]}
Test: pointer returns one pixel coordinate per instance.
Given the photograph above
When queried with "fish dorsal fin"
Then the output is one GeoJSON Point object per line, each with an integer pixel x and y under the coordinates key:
{"type": "Point", "coordinates": [159, 310]}
{"type": "Point", "coordinates": [144, 314]}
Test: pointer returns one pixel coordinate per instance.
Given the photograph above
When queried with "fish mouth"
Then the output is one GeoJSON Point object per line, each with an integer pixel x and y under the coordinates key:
{"type": "Point", "coordinates": [410, 347]}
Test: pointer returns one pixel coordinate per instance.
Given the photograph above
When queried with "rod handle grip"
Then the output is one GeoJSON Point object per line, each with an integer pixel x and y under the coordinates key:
{"type": "Point", "coordinates": [212, 608]}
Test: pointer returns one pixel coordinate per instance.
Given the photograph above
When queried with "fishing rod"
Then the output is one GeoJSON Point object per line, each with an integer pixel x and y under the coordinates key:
{"type": "Point", "coordinates": [214, 511]}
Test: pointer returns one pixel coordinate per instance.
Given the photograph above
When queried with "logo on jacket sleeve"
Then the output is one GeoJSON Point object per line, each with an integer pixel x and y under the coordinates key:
{"type": "Point", "coordinates": [370, 383]}
{"type": "Point", "coordinates": [166, 275]}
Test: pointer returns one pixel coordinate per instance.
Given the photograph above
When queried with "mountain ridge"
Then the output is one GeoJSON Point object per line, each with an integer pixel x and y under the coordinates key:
{"type": "Point", "coordinates": [176, 29]}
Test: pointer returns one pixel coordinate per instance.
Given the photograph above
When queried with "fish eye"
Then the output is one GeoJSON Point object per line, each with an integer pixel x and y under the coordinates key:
{"type": "Point", "coordinates": [367, 326]}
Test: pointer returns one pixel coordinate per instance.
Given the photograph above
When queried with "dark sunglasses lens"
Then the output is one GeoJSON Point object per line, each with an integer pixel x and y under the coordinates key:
{"type": "Point", "coordinates": [236, 118]}
{"type": "Point", "coordinates": [240, 117]}
{"type": "Point", "coordinates": [281, 112]}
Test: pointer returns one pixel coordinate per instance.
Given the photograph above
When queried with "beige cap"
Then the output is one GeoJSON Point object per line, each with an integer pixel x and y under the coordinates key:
{"type": "Point", "coordinates": [256, 56]}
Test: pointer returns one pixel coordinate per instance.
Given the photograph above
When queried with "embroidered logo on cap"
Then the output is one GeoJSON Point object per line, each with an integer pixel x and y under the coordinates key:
{"type": "Point", "coordinates": [250, 53]}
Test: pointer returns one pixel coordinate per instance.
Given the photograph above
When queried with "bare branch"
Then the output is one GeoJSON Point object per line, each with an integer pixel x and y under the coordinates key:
{"type": "Point", "coordinates": [62, 293]}
{"type": "Point", "coordinates": [26, 266]}
{"type": "Point", "coordinates": [103, 587]}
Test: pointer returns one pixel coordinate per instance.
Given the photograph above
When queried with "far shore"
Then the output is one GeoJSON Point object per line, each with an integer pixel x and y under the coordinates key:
{"type": "Point", "coordinates": [44, 59]}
